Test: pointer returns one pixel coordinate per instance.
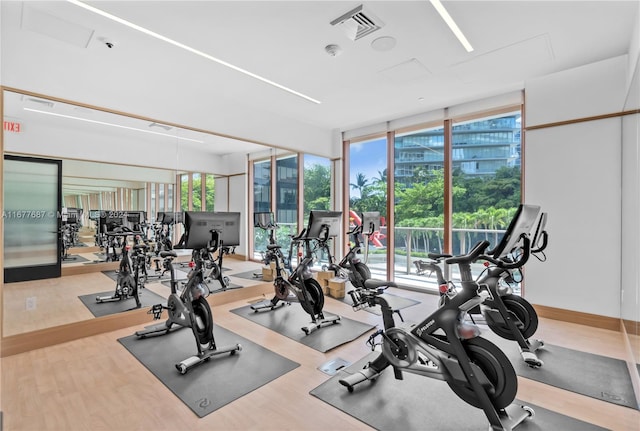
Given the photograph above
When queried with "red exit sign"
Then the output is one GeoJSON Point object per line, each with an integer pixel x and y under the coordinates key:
{"type": "Point", "coordinates": [12, 126]}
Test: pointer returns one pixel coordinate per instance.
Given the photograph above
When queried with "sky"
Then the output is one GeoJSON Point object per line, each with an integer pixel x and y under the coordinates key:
{"type": "Point", "coordinates": [367, 158]}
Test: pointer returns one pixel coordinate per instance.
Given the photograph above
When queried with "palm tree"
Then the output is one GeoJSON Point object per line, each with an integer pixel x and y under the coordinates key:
{"type": "Point", "coordinates": [382, 177]}
{"type": "Point", "coordinates": [497, 217]}
{"type": "Point", "coordinates": [483, 219]}
{"type": "Point", "coordinates": [361, 183]}
{"type": "Point", "coordinates": [463, 221]}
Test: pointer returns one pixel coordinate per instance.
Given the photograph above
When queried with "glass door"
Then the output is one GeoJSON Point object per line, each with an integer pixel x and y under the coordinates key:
{"type": "Point", "coordinates": [32, 222]}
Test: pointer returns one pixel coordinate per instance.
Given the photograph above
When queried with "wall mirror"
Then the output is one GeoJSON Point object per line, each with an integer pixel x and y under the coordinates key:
{"type": "Point", "coordinates": [630, 288]}
{"type": "Point", "coordinates": [110, 161]}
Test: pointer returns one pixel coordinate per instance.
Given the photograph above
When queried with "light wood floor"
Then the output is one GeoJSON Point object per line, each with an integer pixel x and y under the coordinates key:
{"type": "Point", "coordinates": [57, 302]}
{"type": "Point", "coordinates": [95, 384]}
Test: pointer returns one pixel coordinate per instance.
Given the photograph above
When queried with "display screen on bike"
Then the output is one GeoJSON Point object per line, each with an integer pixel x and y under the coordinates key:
{"type": "Point", "coordinates": [263, 220]}
{"type": "Point", "coordinates": [319, 221]}
{"type": "Point", "coordinates": [200, 224]}
{"type": "Point", "coordinates": [522, 223]}
{"type": "Point", "coordinates": [370, 221]}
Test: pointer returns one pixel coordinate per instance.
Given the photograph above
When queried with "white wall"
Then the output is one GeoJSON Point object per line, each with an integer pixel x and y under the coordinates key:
{"type": "Point", "coordinates": [233, 164]}
{"type": "Point", "coordinates": [221, 202]}
{"type": "Point", "coordinates": [56, 141]}
{"type": "Point", "coordinates": [238, 189]}
{"type": "Point", "coordinates": [630, 282]}
{"type": "Point", "coordinates": [573, 172]}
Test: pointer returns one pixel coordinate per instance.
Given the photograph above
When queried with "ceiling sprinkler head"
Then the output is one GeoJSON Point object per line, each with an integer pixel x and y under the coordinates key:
{"type": "Point", "coordinates": [333, 50]}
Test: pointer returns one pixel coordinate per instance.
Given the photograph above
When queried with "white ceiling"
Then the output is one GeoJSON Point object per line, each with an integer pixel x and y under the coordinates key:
{"type": "Point", "coordinates": [57, 48]}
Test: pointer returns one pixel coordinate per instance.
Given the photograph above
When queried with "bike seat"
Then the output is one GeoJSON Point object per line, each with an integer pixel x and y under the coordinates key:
{"type": "Point", "coordinates": [169, 253]}
{"type": "Point", "coordinates": [273, 246]}
{"type": "Point", "coordinates": [375, 284]}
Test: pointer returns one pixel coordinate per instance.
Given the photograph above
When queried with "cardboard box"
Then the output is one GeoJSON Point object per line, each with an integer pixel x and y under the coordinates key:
{"type": "Point", "coordinates": [337, 287]}
{"type": "Point", "coordinates": [267, 273]}
{"type": "Point", "coordinates": [323, 277]}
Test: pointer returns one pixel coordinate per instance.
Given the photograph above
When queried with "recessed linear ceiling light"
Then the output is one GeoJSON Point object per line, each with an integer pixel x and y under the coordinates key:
{"type": "Point", "coordinates": [452, 24]}
{"type": "Point", "coordinates": [188, 48]}
{"type": "Point", "coordinates": [112, 125]}
{"type": "Point", "coordinates": [162, 126]}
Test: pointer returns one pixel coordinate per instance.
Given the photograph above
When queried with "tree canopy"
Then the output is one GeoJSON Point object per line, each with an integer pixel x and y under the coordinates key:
{"type": "Point", "coordinates": [419, 201]}
{"type": "Point", "coordinates": [317, 187]}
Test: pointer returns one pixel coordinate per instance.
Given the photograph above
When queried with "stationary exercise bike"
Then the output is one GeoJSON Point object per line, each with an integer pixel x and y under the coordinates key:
{"type": "Point", "coordinates": [212, 267]}
{"type": "Point", "coordinates": [162, 232]}
{"type": "Point", "coordinates": [445, 347]}
{"type": "Point", "coordinates": [190, 309]}
{"type": "Point", "coordinates": [507, 315]}
{"type": "Point", "coordinates": [351, 266]}
{"type": "Point", "coordinates": [301, 283]}
{"type": "Point", "coordinates": [127, 279]}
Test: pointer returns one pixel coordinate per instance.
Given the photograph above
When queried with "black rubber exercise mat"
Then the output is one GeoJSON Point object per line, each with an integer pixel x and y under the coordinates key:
{"type": "Point", "coordinates": [153, 277]}
{"type": "Point", "coordinates": [288, 320]}
{"type": "Point", "coordinates": [98, 309]}
{"type": "Point", "coordinates": [422, 403]}
{"type": "Point", "coordinates": [213, 384]}
{"type": "Point", "coordinates": [214, 286]}
{"type": "Point", "coordinates": [595, 376]}
{"type": "Point", "coordinates": [75, 258]}
{"type": "Point", "coordinates": [396, 302]}
{"type": "Point", "coordinates": [249, 275]}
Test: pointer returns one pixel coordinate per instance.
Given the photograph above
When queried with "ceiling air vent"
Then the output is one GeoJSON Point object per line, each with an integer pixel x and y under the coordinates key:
{"type": "Point", "coordinates": [358, 23]}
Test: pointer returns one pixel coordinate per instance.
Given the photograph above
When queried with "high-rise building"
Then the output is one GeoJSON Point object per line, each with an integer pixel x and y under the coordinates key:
{"type": "Point", "coordinates": [480, 148]}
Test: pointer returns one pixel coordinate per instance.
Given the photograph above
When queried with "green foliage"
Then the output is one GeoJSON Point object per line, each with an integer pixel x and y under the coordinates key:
{"type": "Point", "coordinates": [499, 191]}
{"type": "Point", "coordinates": [425, 195]}
{"type": "Point", "coordinates": [210, 189]}
{"type": "Point", "coordinates": [184, 195]}
{"type": "Point", "coordinates": [479, 202]}
{"type": "Point", "coordinates": [373, 195]}
{"type": "Point", "coordinates": [196, 194]}
{"type": "Point", "coordinates": [317, 188]}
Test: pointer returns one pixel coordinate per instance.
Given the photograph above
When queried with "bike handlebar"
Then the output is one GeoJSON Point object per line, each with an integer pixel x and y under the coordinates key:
{"type": "Point", "coordinates": [438, 256]}
{"type": "Point", "coordinates": [357, 229]}
{"type": "Point", "coordinates": [299, 236]}
{"type": "Point", "coordinates": [470, 257]}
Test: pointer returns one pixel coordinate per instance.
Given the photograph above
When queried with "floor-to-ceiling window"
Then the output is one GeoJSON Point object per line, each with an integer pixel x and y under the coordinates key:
{"type": "Point", "coordinates": [486, 179]}
{"type": "Point", "coordinates": [210, 192]}
{"type": "Point", "coordinates": [419, 199]}
{"type": "Point", "coordinates": [196, 191]}
{"type": "Point", "coordinates": [368, 192]}
{"type": "Point", "coordinates": [292, 201]}
{"type": "Point", "coordinates": [170, 197]}
{"type": "Point", "coordinates": [153, 201]}
{"type": "Point", "coordinates": [161, 197]}
{"type": "Point", "coordinates": [261, 202]}
{"type": "Point", "coordinates": [317, 184]}
{"type": "Point", "coordinates": [455, 182]}
{"type": "Point", "coordinates": [286, 198]}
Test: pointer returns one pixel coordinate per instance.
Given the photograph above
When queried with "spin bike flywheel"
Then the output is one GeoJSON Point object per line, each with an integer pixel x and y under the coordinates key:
{"type": "Point", "coordinates": [359, 274]}
{"type": "Point", "coordinates": [494, 370]}
{"type": "Point", "coordinates": [521, 311]}
{"type": "Point", "coordinates": [315, 298]}
{"type": "Point", "coordinates": [203, 320]}
{"type": "Point", "coordinates": [127, 286]}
